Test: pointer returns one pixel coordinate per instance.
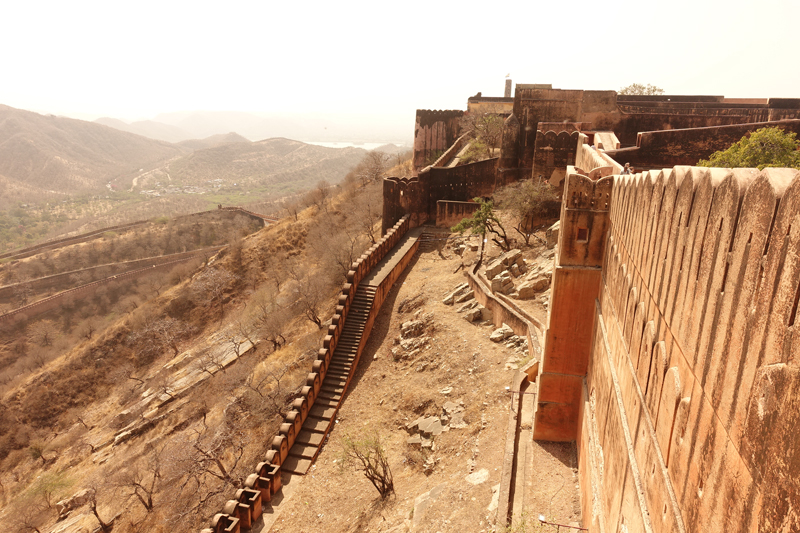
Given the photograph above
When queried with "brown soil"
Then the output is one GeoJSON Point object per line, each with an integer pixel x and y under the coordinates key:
{"type": "Point", "coordinates": [459, 364]}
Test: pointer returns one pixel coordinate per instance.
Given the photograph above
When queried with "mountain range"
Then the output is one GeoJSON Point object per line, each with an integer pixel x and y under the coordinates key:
{"type": "Point", "coordinates": [56, 155]}
{"type": "Point", "coordinates": [303, 126]}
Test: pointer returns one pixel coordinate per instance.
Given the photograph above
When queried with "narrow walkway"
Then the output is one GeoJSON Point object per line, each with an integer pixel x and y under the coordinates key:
{"type": "Point", "coordinates": [340, 371]}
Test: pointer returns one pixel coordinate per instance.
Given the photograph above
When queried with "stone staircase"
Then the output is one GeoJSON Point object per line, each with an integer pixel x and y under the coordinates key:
{"type": "Point", "coordinates": [340, 370]}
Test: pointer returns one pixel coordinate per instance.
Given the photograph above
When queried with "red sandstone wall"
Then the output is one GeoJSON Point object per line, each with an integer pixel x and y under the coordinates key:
{"type": "Point", "coordinates": [434, 132]}
{"type": "Point", "coordinates": [692, 398]}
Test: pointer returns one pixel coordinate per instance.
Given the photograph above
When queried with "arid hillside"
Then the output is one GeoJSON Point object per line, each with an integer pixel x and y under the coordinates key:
{"type": "Point", "coordinates": [49, 153]}
{"type": "Point", "coordinates": [151, 380]}
{"type": "Point", "coordinates": [279, 164]}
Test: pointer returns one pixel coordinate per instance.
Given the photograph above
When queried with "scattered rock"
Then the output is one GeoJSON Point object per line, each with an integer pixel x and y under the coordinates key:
{"type": "Point", "coordinates": [447, 390]}
{"type": "Point", "coordinates": [474, 314]}
{"type": "Point", "coordinates": [450, 298]}
{"type": "Point", "coordinates": [476, 478]}
{"type": "Point", "coordinates": [501, 333]}
{"type": "Point", "coordinates": [469, 295]}
{"type": "Point", "coordinates": [467, 306]}
{"type": "Point", "coordinates": [412, 328]}
{"type": "Point", "coordinates": [77, 500]}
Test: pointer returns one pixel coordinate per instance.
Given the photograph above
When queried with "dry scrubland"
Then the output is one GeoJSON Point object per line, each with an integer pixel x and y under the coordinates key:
{"type": "Point", "coordinates": [448, 368]}
{"type": "Point", "coordinates": [154, 412]}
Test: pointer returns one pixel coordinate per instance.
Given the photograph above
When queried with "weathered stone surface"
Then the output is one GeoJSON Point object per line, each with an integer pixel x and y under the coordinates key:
{"type": "Point", "coordinates": [464, 297]}
{"type": "Point", "coordinates": [77, 500]}
{"type": "Point", "coordinates": [467, 306]}
{"type": "Point", "coordinates": [473, 314]}
{"type": "Point", "coordinates": [501, 333]}
{"type": "Point", "coordinates": [515, 270]}
{"type": "Point", "coordinates": [450, 298]}
{"type": "Point", "coordinates": [551, 234]}
{"type": "Point", "coordinates": [412, 328]}
{"type": "Point", "coordinates": [494, 269]}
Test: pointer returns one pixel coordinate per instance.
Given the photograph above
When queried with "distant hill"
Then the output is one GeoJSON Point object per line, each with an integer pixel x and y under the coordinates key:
{"type": "Point", "coordinates": [148, 128]}
{"type": "Point", "coordinates": [60, 154]}
{"type": "Point", "coordinates": [304, 126]}
{"type": "Point", "coordinates": [214, 140]}
{"type": "Point", "coordinates": [281, 164]}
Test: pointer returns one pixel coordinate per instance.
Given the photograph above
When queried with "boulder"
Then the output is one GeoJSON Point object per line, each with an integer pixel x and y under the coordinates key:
{"type": "Point", "coordinates": [473, 315]}
{"type": "Point", "coordinates": [501, 333]}
{"type": "Point", "coordinates": [494, 269]}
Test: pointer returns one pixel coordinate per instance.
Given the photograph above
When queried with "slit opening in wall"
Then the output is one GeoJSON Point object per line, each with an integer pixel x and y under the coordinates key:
{"type": "Point", "coordinates": [793, 314]}
{"type": "Point", "coordinates": [724, 278]}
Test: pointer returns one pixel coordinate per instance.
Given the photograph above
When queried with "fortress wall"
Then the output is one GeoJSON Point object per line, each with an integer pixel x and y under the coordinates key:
{"type": "Point", "coordinates": [588, 159]}
{"type": "Point", "coordinates": [59, 280]}
{"type": "Point", "coordinates": [687, 146]}
{"type": "Point", "coordinates": [553, 152]}
{"type": "Point", "coordinates": [265, 481]}
{"type": "Point", "coordinates": [57, 300]}
{"type": "Point", "coordinates": [434, 131]}
{"type": "Point", "coordinates": [418, 196]}
{"type": "Point", "coordinates": [449, 214]}
{"type": "Point", "coordinates": [404, 196]}
{"type": "Point", "coordinates": [691, 403]}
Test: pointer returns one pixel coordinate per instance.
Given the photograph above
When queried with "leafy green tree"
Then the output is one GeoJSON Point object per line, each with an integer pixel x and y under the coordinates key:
{"type": "Point", "coordinates": [640, 89]}
{"type": "Point", "coordinates": [766, 147]}
{"type": "Point", "coordinates": [482, 221]}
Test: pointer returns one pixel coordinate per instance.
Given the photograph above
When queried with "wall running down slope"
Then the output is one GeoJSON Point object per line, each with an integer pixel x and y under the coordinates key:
{"type": "Point", "coordinates": [690, 407]}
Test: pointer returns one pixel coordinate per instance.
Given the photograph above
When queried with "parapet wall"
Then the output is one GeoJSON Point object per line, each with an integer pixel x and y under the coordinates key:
{"type": "Point", "coordinates": [553, 152]}
{"type": "Point", "coordinates": [689, 411]}
{"type": "Point", "coordinates": [673, 147]}
{"type": "Point", "coordinates": [418, 197]}
{"type": "Point", "coordinates": [262, 485]}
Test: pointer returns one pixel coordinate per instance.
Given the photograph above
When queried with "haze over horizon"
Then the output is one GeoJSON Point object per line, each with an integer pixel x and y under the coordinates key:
{"type": "Point", "coordinates": [377, 64]}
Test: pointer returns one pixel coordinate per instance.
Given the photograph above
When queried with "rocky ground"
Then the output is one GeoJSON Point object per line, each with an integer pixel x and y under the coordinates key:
{"type": "Point", "coordinates": [433, 386]}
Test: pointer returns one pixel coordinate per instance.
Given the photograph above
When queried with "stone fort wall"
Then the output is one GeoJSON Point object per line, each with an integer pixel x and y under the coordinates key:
{"type": "Point", "coordinates": [688, 412]}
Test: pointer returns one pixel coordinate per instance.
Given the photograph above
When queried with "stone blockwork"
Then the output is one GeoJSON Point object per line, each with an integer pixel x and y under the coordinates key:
{"type": "Point", "coordinates": [265, 482]}
{"type": "Point", "coordinates": [434, 132]}
{"type": "Point", "coordinates": [668, 148]}
{"type": "Point", "coordinates": [688, 413]}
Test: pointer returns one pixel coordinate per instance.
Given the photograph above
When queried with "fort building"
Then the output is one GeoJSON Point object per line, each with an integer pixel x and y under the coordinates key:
{"type": "Point", "coordinates": [670, 355]}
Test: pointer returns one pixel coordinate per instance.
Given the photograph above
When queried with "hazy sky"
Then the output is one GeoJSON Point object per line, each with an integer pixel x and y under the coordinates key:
{"type": "Point", "coordinates": [132, 60]}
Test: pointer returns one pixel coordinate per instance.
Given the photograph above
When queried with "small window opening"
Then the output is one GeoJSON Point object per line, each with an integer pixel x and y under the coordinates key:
{"type": "Point", "coordinates": [583, 235]}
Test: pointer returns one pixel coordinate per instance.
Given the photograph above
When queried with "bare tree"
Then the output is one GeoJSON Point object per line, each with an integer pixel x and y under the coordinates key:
{"type": "Point", "coordinates": [529, 202]}
{"type": "Point", "coordinates": [269, 387]}
{"type": "Point", "coordinates": [143, 480]}
{"type": "Point", "coordinates": [212, 464]}
{"type": "Point", "coordinates": [368, 210]}
{"type": "Point", "coordinates": [271, 319]}
{"type": "Point", "coordinates": [311, 294]}
{"type": "Point", "coordinates": [44, 332]}
{"type": "Point", "coordinates": [369, 456]}
{"type": "Point", "coordinates": [319, 195]}
{"type": "Point", "coordinates": [372, 167]}
{"type": "Point", "coordinates": [105, 527]}
{"type": "Point", "coordinates": [211, 285]}
{"type": "Point", "coordinates": [211, 362]}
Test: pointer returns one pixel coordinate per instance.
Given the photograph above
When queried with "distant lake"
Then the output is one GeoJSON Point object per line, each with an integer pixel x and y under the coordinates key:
{"type": "Point", "coordinates": [346, 144]}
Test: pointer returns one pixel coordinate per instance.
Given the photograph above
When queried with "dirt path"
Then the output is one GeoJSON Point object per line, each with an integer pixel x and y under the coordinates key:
{"type": "Point", "coordinates": [447, 362]}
